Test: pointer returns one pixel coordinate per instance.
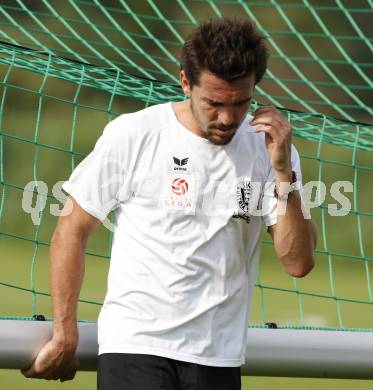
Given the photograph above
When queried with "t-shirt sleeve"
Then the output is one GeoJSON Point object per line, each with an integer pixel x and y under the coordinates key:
{"type": "Point", "coordinates": [97, 182]}
{"type": "Point", "coordinates": [269, 203]}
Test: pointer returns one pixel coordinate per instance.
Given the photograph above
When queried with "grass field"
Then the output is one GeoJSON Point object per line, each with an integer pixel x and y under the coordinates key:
{"type": "Point", "coordinates": [87, 381]}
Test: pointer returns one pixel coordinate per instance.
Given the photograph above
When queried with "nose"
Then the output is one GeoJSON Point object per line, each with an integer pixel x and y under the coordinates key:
{"type": "Point", "coordinates": [226, 117]}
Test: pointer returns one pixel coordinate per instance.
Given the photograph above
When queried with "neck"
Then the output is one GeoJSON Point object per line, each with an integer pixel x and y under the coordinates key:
{"type": "Point", "coordinates": [184, 114]}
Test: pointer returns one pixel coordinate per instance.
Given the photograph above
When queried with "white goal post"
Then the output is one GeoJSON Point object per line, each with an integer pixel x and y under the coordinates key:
{"type": "Point", "coordinates": [270, 352]}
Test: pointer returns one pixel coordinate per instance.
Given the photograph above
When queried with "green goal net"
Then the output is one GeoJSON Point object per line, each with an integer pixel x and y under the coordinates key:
{"type": "Point", "coordinates": [67, 68]}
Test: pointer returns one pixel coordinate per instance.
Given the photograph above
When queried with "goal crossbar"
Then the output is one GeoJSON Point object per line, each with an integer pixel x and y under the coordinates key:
{"type": "Point", "coordinates": [269, 352]}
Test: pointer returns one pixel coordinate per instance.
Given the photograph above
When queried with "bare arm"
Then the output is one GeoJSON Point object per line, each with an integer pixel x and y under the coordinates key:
{"type": "Point", "coordinates": [67, 269]}
{"type": "Point", "coordinates": [294, 237]}
{"type": "Point", "coordinates": [57, 358]}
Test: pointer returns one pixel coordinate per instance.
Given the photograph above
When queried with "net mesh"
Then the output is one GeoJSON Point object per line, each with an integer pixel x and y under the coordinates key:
{"type": "Point", "coordinates": [67, 69]}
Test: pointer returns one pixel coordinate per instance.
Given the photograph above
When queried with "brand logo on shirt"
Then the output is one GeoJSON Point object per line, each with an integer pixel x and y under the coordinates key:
{"type": "Point", "coordinates": [179, 193]}
{"type": "Point", "coordinates": [180, 163]}
{"type": "Point", "coordinates": [243, 194]}
{"type": "Point", "coordinates": [179, 186]}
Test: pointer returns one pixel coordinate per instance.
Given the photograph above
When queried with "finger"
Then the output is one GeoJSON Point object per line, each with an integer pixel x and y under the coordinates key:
{"type": "Point", "coordinates": [271, 111]}
{"type": "Point", "coordinates": [71, 370]}
{"type": "Point", "coordinates": [68, 376]}
{"type": "Point", "coordinates": [54, 374]}
{"type": "Point", "coordinates": [29, 371]}
{"type": "Point", "coordinates": [268, 110]}
{"type": "Point", "coordinates": [269, 130]}
{"type": "Point", "coordinates": [263, 129]}
{"type": "Point", "coordinates": [35, 371]}
{"type": "Point", "coordinates": [51, 378]}
{"type": "Point", "coordinates": [32, 373]}
{"type": "Point", "coordinates": [44, 373]}
{"type": "Point", "coordinates": [264, 109]}
{"type": "Point", "coordinates": [266, 119]}
{"type": "Point", "coordinates": [280, 132]}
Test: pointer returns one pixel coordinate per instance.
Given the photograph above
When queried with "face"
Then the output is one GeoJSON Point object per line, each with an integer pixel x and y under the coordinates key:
{"type": "Point", "coordinates": [218, 107]}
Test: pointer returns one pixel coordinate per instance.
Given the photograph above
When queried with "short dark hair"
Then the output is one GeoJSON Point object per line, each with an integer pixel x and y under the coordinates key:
{"type": "Point", "coordinates": [230, 48]}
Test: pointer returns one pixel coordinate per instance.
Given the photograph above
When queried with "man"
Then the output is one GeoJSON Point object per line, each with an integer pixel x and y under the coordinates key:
{"type": "Point", "coordinates": [191, 183]}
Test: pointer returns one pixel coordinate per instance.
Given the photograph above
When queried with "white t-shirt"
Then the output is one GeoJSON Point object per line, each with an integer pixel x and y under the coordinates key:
{"type": "Point", "coordinates": [187, 234]}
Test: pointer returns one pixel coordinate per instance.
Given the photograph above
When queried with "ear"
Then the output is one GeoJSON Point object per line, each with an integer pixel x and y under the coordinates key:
{"type": "Point", "coordinates": [184, 83]}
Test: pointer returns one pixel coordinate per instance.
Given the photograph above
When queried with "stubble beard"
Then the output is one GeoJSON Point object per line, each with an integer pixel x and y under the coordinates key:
{"type": "Point", "coordinates": [206, 130]}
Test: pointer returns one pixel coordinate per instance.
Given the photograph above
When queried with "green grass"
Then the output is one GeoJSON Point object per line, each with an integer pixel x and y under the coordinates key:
{"type": "Point", "coordinates": [10, 379]}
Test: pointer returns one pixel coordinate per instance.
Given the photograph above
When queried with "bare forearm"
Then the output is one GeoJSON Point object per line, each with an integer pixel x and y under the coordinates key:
{"type": "Point", "coordinates": [57, 359]}
{"type": "Point", "coordinates": [295, 237]}
{"type": "Point", "coordinates": [66, 275]}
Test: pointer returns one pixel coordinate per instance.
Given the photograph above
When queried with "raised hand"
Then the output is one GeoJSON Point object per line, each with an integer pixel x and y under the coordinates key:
{"type": "Point", "coordinates": [277, 131]}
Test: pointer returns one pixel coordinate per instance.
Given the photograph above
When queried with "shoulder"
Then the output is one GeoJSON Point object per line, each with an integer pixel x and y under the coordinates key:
{"type": "Point", "coordinates": [134, 127]}
{"type": "Point", "coordinates": [127, 133]}
{"type": "Point", "coordinates": [137, 124]}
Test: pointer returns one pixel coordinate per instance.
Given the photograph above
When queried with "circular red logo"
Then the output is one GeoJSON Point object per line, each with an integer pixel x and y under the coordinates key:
{"type": "Point", "coordinates": [179, 186]}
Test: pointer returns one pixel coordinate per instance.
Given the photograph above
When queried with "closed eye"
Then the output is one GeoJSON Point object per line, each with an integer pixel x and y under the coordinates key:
{"type": "Point", "coordinates": [243, 102]}
{"type": "Point", "coordinates": [216, 104]}
{"type": "Point", "coordinates": [213, 103]}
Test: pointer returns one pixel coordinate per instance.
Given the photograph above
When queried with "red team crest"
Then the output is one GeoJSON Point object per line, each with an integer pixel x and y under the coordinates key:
{"type": "Point", "coordinates": [179, 186]}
